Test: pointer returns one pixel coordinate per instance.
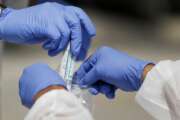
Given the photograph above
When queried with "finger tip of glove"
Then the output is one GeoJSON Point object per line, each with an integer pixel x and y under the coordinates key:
{"type": "Point", "coordinates": [110, 96]}
{"type": "Point", "coordinates": [47, 46]}
{"type": "Point", "coordinates": [75, 54]}
{"type": "Point", "coordinates": [51, 53]}
{"type": "Point", "coordinates": [55, 51]}
{"type": "Point", "coordinates": [93, 91]}
{"type": "Point", "coordinates": [93, 34]}
{"type": "Point", "coordinates": [80, 58]}
{"type": "Point", "coordinates": [92, 31]}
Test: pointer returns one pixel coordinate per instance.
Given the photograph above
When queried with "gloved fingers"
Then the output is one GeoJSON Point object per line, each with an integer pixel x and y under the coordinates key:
{"type": "Point", "coordinates": [85, 44]}
{"type": "Point", "coordinates": [50, 44]}
{"type": "Point", "coordinates": [83, 53]}
{"type": "Point", "coordinates": [75, 43]}
{"type": "Point", "coordinates": [107, 89]}
{"type": "Point", "coordinates": [90, 78]}
{"type": "Point", "coordinates": [76, 33]}
{"type": "Point", "coordinates": [88, 31]}
{"type": "Point", "coordinates": [54, 52]}
{"type": "Point", "coordinates": [41, 68]}
{"type": "Point", "coordinates": [63, 40]}
{"type": "Point", "coordinates": [47, 44]}
{"type": "Point", "coordinates": [85, 20]}
{"type": "Point", "coordinates": [111, 94]}
{"type": "Point", "coordinates": [84, 69]}
{"type": "Point", "coordinates": [53, 39]}
{"type": "Point", "coordinates": [78, 75]}
{"type": "Point", "coordinates": [94, 89]}
{"type": "Point", "coordinates": [103, 88]}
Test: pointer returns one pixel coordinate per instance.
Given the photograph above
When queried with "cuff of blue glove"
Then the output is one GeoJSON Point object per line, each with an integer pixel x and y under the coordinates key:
{"type": "Point", "coordinates": [29, 99]}
{"type": "Point", "coordinates": [143, 65]}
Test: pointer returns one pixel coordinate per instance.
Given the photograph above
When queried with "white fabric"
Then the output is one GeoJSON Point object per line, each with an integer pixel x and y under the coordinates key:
{"type": "Point", "coordinates": [58, 105]}
{"type": "Point", "coordinates": [160, 92]}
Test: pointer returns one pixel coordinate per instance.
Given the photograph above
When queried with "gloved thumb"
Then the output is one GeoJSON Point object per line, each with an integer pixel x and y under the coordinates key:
{"type": "Point", "coordinates": [90, 78]}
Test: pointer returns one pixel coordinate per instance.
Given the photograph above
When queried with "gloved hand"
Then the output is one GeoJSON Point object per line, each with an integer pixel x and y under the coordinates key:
{"type": "Point", "coordinates": [36, 78]}
{"type": "Point", "coordinates": [108, 69]}
{"type": "Point", "coordinates": [52, 24]}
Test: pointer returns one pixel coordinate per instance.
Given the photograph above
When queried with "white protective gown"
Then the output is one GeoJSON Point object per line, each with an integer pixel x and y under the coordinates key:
{"type": "Point", "coordinates": [58, 105]}
{"type": "Point", "coordinates": [160, 92]}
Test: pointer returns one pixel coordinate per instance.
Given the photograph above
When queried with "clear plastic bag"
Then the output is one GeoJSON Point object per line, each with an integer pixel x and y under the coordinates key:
{"type": "Point", "coordinates": [66, 70]}
{"type": "Point", "coordinates": [84, 96]}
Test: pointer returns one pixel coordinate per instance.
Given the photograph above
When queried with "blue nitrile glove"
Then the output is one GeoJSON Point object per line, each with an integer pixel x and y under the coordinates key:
{"type": "Point", "coordinates": [102, 87]}
{"type": "Point", "coordinates": [108, 69]}
{"type": "Point", "coordinates": [36, 78]}
{"type": "Point", "coordinates": [52, 24]}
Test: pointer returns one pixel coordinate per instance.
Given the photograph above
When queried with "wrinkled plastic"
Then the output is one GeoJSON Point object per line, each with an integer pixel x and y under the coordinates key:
{"type": "Point", "coordinates": [84, 96]}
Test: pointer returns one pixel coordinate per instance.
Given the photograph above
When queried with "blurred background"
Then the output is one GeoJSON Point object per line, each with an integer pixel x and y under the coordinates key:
{"type": "Point", "coordinates": [148, 29]}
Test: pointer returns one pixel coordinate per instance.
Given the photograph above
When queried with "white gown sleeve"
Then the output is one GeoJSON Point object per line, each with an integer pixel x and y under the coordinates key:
{"type": "Point", "coordinates": [58, 105]}
{"type": "Point", "coordinates": [160, 92]}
